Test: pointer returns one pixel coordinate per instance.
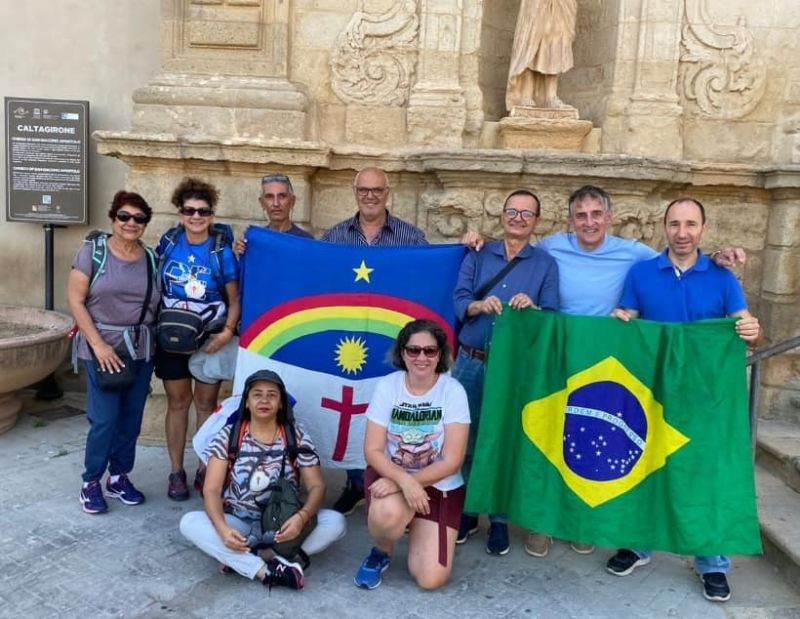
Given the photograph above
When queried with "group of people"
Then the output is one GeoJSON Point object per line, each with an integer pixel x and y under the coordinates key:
{"type": "Point", "coordinates": [115, 295]}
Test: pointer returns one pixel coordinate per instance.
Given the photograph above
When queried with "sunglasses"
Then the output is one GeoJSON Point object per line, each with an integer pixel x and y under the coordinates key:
{"type": "Point", "coordinates": [277, 178]}
{"type": "Point", "coordinates": [415, 351]}
{"type": "Point", "coordinates": [125, 217]}
{"type": "Point", "coordinates": [191, 212]}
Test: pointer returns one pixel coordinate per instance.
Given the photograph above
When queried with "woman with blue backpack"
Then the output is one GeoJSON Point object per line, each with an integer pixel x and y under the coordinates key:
{"type": "Point", "coordinates": [199, 308]}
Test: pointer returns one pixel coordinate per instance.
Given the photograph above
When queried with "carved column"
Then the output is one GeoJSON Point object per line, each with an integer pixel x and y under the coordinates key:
{"type": "Point", "coordinates": [780, 296]}
{"type": "Point", "coordinates": [437, 109]}
{"type": "Point", "coordinates": [645, 113]}
{"type": "Point", "coordinates": [224, 72]}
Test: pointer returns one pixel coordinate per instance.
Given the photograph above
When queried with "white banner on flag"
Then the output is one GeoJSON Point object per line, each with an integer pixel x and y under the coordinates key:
{"type": "Point", "coordinates": [330, 408]}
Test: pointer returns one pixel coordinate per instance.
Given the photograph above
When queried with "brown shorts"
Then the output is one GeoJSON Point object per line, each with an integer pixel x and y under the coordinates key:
{"type": "Point", "coordinates": [446, 507]}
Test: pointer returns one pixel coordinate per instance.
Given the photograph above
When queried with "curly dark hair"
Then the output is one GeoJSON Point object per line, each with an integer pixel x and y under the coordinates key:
{"type": "Point", "coordinates": [422, 325]}
{"type": "Point", "coordinates": [191, 187]}
{"type": "Point", "coordinates": [121, 198]}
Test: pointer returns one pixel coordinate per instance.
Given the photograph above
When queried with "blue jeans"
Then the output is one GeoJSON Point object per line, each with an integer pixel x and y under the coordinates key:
{"type": "Point", "coordinates": [115, 419]}
{"type": "Point", "coordinates": [470, 373]}
{"type": "Point", "coordinates": [703, 565]}
{"type": "Point", "coordinates": [356, 477]}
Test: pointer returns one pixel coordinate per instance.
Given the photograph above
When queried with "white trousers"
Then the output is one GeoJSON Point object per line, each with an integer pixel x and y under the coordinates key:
{"type": "Point", "coordinates": [198, 529]}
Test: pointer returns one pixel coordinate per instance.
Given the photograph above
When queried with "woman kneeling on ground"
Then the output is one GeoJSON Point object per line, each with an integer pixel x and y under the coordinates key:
{"type": "Point", "coordinates": [417, 428]}
{"type": "Point", "coordinates": [233, 499]}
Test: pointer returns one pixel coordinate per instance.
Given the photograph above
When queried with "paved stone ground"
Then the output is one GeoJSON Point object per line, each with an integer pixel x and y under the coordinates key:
{"type": "Point", "coordinates": [56, 561]}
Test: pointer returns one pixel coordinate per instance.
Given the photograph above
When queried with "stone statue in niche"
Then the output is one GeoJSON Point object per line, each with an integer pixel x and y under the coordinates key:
{"type": "Point", "coordinates": [542, 51]}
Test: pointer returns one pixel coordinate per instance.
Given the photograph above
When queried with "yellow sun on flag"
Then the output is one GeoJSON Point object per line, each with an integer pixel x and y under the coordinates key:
{"type": "Point", "coordinates": [351, 354]}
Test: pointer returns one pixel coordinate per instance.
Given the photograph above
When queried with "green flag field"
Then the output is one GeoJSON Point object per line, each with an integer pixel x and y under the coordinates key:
{"type": "Point", "coordinates": [629, 435]}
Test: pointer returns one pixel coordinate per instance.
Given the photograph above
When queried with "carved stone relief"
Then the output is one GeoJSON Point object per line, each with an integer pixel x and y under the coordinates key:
{"type": "Point", "coordinates": [375, 55]}
{"type": "Point", "coordinates": [722, 75]}
{"type": "Point", "coordinates": [452, 212]}
{"type": "Point", "coordinates": [632, 222]}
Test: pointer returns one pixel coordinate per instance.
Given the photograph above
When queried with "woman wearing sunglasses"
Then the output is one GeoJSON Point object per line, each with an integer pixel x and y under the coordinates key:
{"type": "Point", "coordinates": [417, 428]}
{"type": "Point", "coordinates": [200, 275]}
{"type": "Point", "coordinates": [112, 294]}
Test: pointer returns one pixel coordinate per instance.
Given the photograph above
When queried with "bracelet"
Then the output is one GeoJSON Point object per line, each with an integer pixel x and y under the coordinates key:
{"type": "Point", "coordinates": [308, 516]}
{"type": "Point", "coordinates": [230, 328]}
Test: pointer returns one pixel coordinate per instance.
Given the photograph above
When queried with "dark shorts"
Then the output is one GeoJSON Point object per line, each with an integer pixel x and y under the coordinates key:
{"type": "Point", "coordinates": [172, 366]}
{"type": "Point", "coordinates": [446, 508]}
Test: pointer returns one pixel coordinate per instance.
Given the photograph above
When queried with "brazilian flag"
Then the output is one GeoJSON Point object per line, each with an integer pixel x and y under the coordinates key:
{"type": "Point", "coordinates": [630, 435]}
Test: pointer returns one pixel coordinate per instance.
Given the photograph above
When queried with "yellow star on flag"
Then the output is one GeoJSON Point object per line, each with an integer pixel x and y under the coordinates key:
{"type": "Point", "coordinates": [362, 272]}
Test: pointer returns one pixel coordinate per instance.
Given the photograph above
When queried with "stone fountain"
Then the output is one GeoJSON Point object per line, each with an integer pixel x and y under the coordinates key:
{"type": "Point", "coordinates": [33, 343]}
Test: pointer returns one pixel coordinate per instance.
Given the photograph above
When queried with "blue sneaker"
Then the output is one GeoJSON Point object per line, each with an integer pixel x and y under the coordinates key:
{"type": "Point", "coordinates": [92, 499]}
{"type": "Point", "coordinates": [497, 544]}
{"type": "Point", "coordinates": [369, 574]}
{"type": "Point", "coordinates": [124, 490]}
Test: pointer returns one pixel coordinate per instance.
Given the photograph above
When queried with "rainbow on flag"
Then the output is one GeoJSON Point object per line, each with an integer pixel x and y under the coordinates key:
{"type": "Point", "coordinates": [324, 316]}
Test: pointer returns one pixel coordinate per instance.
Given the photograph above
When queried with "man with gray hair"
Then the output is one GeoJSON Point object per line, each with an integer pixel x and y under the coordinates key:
{"type": "Point", "coordinates": [277, 200]}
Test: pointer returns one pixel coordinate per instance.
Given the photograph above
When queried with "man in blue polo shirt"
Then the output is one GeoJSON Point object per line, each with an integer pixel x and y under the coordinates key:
{"type": "Point", "coordinates": [683, 285]}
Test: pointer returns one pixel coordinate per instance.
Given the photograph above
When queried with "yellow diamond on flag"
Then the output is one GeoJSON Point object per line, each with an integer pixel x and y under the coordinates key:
{"type": "Point", "coordinates": [604, 432]}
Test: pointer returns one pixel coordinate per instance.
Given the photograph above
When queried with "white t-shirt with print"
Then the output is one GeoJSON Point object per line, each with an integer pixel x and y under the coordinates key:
{"type": "Point", "coordinates": [415, 423]}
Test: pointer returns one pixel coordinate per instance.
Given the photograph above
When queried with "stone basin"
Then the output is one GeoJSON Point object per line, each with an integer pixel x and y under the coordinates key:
{"type": "Point", "coordinates": [33, 343]}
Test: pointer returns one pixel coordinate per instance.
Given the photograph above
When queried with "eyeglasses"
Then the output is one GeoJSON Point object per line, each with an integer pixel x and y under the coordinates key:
{"type": "Point", "coordinates": [375, 191]}
{"type": "Point", "coordinates": [191, 212]}
{"type": "Point", "coordinates": [511, 213]}
{"type": "Point", "coordinates": [277, 178]}
{"type": "Point", "coordinates": [414, 351]}
{"type": "Point", "coordinates": [125, 216]}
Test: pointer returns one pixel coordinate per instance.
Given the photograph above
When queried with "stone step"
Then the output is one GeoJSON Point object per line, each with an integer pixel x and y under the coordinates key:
{"type": "Point", "coordinates": [778, 450]}
{"type": "Point", "coordinates": [779, 516]}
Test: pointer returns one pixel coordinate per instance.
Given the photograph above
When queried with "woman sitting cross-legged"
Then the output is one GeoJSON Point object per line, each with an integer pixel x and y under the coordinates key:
{"type": "Point", "coordinates": [230, 527]}
{"type": "Point", "coordinates": [416, 437]}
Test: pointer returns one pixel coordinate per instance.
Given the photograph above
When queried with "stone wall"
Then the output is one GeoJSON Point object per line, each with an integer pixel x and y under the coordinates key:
{"type": "Point", "coordinates": [91, 50]}
{"type": "Point", "coordinates": [497, 36]}
{"type": "Point", "coordinates": [598, 59]}
{"type": "Point", "coordinates": [695, 97]}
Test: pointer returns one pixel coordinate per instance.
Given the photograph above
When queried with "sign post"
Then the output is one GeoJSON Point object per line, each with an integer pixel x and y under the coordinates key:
{"type": "Point", "coordinates": [47, 176]}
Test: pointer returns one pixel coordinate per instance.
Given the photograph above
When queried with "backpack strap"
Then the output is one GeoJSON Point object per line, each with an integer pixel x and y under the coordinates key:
{"type": "Point", "coordinates": [487, 286]}
{"type": "Point", "coordinates": [222, 235]}
{"type": "Point", "coordinates": [99, 241]}
{"type": "Point", "coordinates": [235, 439]}
{"type": "Point", "coordinates": [152, 257]}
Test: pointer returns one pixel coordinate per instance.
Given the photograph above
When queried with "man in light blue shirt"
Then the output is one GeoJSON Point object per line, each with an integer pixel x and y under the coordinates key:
{"type": "Point", "coordinates": [592, 264]}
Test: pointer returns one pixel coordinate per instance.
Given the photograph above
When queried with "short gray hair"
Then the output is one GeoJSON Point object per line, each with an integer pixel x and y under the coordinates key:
{"type": "Point", "coordinates": [589, 191]}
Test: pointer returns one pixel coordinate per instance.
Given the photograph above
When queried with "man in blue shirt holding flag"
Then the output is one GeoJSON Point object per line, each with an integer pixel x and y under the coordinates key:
{"type": "Point", "coordinates": [683, 285]}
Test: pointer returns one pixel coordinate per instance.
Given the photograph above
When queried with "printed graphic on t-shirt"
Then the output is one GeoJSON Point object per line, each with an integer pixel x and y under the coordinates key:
{"type": "Point", "coordinates": [189, 277]}
{"type": "Point", "coordinates": [415, 435]}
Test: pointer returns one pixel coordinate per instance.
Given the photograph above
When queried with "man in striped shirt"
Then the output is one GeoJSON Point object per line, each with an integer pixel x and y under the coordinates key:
{"type": "Point", "coordinates": [374, 226]}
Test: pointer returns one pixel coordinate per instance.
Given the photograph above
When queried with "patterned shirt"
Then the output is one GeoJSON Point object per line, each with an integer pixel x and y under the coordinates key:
{"type": "Point", "coordinates": [257, 466]}
{"type": "Point", "coordinates": [395, 233]}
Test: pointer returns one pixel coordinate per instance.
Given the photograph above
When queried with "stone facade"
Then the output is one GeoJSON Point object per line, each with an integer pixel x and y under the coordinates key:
{"type": "Point", "coordinates": [698, 97]}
